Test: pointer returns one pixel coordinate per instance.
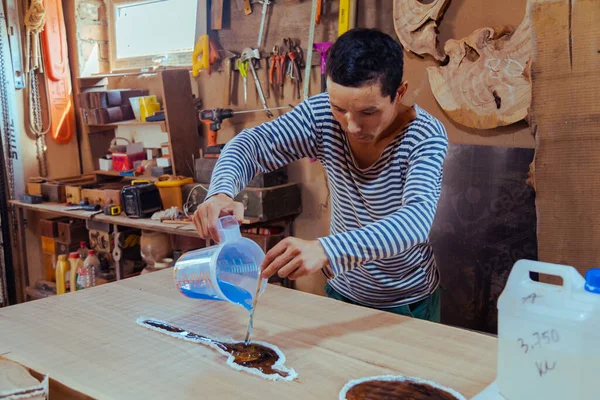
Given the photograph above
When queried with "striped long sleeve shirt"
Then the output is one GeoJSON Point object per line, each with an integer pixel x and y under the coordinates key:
{"type": "Point", "coordinates": [378, 247]}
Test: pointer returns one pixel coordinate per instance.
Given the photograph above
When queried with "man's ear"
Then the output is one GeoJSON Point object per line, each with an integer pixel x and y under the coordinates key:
{"type": "Point", "coordinates": [401, 92]}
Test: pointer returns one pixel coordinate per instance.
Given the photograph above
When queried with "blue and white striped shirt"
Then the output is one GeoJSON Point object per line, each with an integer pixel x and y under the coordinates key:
{"type": "Point", "coordinates": [378, 246]}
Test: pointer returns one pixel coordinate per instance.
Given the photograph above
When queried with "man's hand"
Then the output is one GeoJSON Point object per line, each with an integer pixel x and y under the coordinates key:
{"type": "Point", "coordinates": [293, 258]}
{"type": "Point", "coordinates": [206, 217]}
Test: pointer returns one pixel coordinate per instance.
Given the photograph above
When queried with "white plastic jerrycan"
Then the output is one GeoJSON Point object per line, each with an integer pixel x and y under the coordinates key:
{"type": "Point", "coordinates": [549, 335]}
{"type": "Point", "coordinates": [228, 271]}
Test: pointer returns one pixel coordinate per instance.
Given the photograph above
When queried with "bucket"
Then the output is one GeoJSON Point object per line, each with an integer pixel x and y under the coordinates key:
{"type": "Point", "coordinates": [228, 271]}
{"type": "Point", "coordinates": [170, 192]}
{"type": "Point", "coordinates": [548, 335]}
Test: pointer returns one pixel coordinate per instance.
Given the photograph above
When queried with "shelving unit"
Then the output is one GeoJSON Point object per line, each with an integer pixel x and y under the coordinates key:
{"type": "Point", "coordinates": [173, 90]}
{"type": "Point", "coordinates": [171, 227]}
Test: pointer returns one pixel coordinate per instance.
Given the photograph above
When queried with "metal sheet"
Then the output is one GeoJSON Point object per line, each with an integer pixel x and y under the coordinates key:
{"type": "Point", "coordinates": [485, 222]}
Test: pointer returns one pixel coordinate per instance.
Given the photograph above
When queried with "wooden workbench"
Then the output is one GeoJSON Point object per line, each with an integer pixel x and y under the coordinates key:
{"type": "Point", "coordinates": [90, 342]}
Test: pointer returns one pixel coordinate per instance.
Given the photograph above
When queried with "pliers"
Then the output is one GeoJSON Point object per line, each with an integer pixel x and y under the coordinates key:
{"type": "Point", "coordinates": [294, 54]}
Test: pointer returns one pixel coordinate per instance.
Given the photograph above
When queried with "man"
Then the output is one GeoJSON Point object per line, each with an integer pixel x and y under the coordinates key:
{"type": "Point", "coordinates": [384, 164]}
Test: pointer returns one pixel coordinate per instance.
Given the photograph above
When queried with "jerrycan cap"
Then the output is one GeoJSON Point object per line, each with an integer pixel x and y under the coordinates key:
{"type": "Point", "coordinates": [592, 280]}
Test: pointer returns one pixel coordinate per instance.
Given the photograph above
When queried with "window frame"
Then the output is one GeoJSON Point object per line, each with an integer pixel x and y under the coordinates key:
{"type": "Point", "coordinates": [176, 59]}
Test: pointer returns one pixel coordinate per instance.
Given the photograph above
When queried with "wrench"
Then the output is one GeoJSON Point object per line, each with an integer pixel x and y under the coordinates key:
{"type": "Point", "coordinates": [265, 4]}
{"type": "Point", "coordinates": [247, 55]}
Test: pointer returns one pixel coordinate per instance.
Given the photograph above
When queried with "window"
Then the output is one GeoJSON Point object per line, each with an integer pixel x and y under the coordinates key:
{"type": "Point", "coordinates": [143, 31]}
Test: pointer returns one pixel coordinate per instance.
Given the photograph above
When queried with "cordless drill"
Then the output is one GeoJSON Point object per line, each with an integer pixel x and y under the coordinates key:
{"type": "Point", "coordinates": [212, 119]}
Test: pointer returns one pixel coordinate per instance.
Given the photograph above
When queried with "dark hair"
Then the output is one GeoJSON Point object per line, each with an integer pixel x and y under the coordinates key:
{"type": "Point", "coordinates": [365, 56]}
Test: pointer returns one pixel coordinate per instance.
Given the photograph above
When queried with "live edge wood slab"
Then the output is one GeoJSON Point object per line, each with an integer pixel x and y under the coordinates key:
{"type": "Point", "coordinates": [89, 341]}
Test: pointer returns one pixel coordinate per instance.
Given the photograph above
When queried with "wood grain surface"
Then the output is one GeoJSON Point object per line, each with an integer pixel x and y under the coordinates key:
{"type": "Point", "coordinates": [89, 341]}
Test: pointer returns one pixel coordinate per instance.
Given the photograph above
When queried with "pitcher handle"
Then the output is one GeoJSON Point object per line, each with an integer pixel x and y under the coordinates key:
{"type": "Point", "coordinates": [229, 229]}
{"type": "Point", "coordinates": [570, 276]}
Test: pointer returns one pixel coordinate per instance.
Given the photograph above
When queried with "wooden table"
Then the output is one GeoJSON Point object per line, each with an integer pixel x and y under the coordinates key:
{"type": "Point", "coordinates": [90, 342]}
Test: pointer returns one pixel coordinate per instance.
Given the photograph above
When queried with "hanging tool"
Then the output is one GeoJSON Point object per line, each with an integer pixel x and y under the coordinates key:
{"type": "Point", "coordinates": [34, 67]}
{"type": "Point", "coordinates": [319, 11]}
{"type": "Point", "coordinates": [347, 16]}
{"type": "Point", "coordinates": [267, 85]}
{"type": "Point", "coordinates": [322, 49]}
{"type": "Point", "coordinates": [263, 18]}
{"type": "Point", "coordinates": [294, 54]}
{"type": "Point", "coordinates": [58, 74]}
{"type": "Point", "coordinates": [242, 66]}
{"type": "Point", "coordinates": [216, 14]}
{"type": "Point", "coordinates": [213, 118]}
{"type": "Point", "coordinates": [227, 60]}
{"type": "Point", "coordinates": [249, 54]}
{"type": "Point", "coordinates": [204, 55]}
{"type": "Point", "coordinates": [14, 35]}
{"type": "Point", "coordinates": [276, 72]}
{"type": "Point", "coordinates": [311, 40]}
{"type": "Point", "coordinates": [245, 6]}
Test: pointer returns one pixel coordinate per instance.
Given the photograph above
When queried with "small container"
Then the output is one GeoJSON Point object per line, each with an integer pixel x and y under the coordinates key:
{"type": "Point", "coordinates": [548, 335]}
{"type": "Point", "coordinates": [75, 262]}
{"type": "Point", "coordinates": [228, 271]}
{"type": "Point", "coordinates": [170, 192]}
{"type": "Point", "coordinates": [62, 274]}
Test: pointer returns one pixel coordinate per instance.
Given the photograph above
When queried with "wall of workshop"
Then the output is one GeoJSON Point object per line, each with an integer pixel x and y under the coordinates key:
{"type": "Point", "coordinates": [290, 19]}
{"type": "Point", "coordinates": [62, 159]}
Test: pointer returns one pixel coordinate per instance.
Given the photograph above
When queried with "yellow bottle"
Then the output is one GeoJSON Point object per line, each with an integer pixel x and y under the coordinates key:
{"type": "Point", "coordinates": [75, 261]}
{"type": "Point", "coordinates": [62, 270]}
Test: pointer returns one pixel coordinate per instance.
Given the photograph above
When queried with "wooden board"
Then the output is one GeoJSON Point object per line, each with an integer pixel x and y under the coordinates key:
{"type": "Point", "coordinates": [89, 341]}
{"type": "Point", "coordinates": [566, 116]}
{"type": "Point", "coordinates": [182, 120]}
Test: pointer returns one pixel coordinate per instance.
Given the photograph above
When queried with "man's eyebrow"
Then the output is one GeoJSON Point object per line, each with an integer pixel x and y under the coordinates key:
{"type": "Point", "coordinates": [372, 108]}
{"type": "Point", "coordinates": [334, 105]}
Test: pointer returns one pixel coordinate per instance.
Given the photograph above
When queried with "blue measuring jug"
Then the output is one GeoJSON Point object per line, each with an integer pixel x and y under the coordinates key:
{"type": "Point", "coordinates": [228, 271]}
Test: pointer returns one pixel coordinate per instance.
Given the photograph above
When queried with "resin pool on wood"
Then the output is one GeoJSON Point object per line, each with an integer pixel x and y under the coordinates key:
{"type": "Point", "coordinates": [258, 358]}
{"type": "Point", "coordinates": [396, 387]}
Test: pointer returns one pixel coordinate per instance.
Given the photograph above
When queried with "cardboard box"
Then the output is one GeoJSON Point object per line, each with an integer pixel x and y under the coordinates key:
{"type": "Point", "coordinates": [54, 192]}
{"type": "Point", "coordinates": [101, 241]}
{"type": "Point", "coordinates": [72, 231]}
{"type": "Point", "coordinates": [66, 248]}
{"type": "Point", "coordinates": [48, 245]}
{"type": "Point", "coordinates": [49, 226]}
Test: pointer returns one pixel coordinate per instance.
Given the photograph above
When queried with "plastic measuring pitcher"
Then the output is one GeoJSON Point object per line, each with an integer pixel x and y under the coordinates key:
{"type": "Point", "coordinates": [228, 271]}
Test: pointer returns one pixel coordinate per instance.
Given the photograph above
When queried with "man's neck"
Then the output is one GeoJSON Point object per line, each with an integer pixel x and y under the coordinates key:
{"type": "Point", "coordinates": [403, 117]}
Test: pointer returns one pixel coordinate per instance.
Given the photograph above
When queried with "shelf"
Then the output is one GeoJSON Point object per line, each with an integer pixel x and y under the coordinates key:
{"type": "Point", "coordinates": [132, 122]}
{"type": "Point", "coordinates": [117, 173]}
{"type": "Point", "coordinates": [172, 227]}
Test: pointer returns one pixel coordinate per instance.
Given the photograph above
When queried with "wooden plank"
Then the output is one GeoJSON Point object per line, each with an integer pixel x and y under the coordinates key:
{"type": "Point", "coordinates": [100, 342]}
{"type": "Point", "coordinates": [182, 120]}
{"type": "Point", "coordinates": [566, 117]}
{"type": "Point", "coordinates": [216, 14]}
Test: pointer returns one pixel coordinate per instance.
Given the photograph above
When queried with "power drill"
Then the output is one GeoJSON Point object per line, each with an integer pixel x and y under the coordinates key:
{"type": "Point", "coordinates": [212, 119]}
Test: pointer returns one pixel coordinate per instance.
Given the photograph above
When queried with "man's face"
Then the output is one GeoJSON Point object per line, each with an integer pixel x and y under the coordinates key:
{"type": "Point", "coordinates": [363, 112]}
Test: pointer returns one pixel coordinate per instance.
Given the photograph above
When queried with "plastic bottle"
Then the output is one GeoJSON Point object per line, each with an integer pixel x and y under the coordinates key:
{"type": "Point", "coordinates": [92, 266]}
{"type": "Point", "coordinates": [548, 335]}
{"type": "Point", "coordinates": [75, 263]}
{"type": "Point", "coordinates": [62, 274]}
{"type": "Point", "coordinates": [83, 250]}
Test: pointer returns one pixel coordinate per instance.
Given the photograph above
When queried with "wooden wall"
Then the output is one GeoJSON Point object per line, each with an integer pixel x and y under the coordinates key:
{"type": "Point", "coordinates": [290, 19]}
